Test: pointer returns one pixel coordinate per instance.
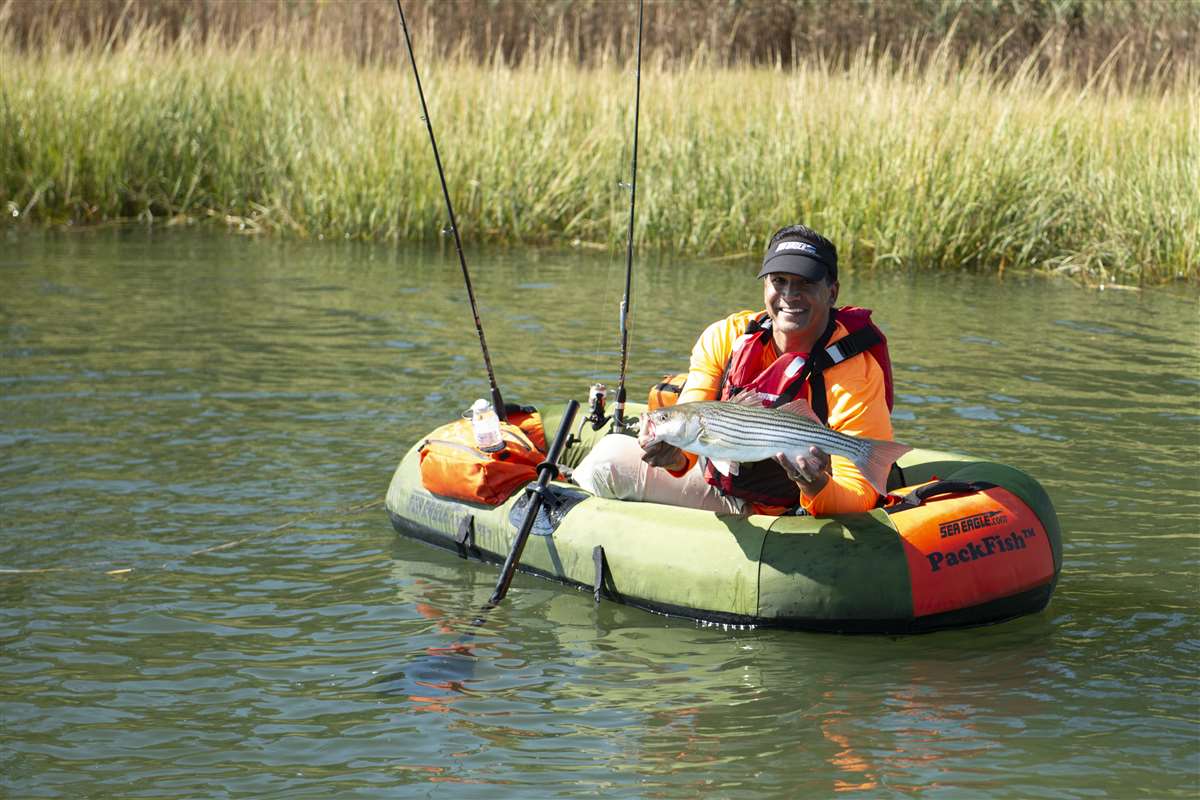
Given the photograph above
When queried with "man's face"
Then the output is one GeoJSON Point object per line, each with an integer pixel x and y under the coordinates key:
{"type": "Point", "coordinates": [799, 308]}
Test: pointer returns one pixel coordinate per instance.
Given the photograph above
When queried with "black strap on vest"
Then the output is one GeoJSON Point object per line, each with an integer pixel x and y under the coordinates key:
{"type": "Point", "coordinates": [760, 323]}
{"type": "Point", "coordinates": [850, 345]}
{"type": "Point", "coordinates": [812, 374]}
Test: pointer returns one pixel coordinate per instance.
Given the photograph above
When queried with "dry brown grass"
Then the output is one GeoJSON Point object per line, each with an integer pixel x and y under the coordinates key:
{"type": "Point", "coordinates": [1144, 39]}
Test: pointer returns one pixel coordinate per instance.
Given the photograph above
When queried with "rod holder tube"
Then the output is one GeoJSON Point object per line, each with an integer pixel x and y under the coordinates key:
{"type": "Point", "coordinates": [546, 471]}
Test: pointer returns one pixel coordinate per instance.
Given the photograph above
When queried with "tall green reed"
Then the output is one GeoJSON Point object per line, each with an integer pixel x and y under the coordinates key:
{"type": "Point", "coordinates": [928, 165]}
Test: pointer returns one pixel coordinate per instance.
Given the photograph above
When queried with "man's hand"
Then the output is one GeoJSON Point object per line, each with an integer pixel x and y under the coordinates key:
{"type": "Point", "coordinates": [667, 456]}
{"type": "Point", "coordinates": [810, 471]}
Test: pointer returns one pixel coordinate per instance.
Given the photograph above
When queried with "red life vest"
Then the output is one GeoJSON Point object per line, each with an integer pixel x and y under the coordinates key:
{"type": "Point", "coordinates": [789, 376]}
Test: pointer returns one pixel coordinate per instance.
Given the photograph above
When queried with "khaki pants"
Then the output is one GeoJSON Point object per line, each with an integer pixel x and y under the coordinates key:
{"type": "Point", "coordinates": [614, 469]}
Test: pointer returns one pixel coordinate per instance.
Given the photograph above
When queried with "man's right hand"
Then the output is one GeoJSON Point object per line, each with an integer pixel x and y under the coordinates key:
{"type": "Point", "coordinates": [667, 456]}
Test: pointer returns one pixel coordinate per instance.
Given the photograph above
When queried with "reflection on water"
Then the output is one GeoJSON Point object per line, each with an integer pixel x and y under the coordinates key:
{"type": "Point", "coordinates": [168, 395]}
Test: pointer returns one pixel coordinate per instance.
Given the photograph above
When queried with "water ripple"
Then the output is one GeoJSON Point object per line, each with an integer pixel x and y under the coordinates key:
{"type": "Point", "coordinates": [166, 397]}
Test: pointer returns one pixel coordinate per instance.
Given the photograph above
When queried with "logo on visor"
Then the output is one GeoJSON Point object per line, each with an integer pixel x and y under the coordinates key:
{"type": "Point", "coordinates": [803, 247]}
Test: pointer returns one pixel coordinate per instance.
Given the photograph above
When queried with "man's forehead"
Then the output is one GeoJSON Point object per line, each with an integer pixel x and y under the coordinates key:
{"type": "Point", "coordinates": [788, 276]}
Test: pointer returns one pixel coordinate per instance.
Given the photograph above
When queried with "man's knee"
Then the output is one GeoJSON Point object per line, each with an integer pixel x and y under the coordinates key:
{"type": "Point", "coordinates": [608, 472]}
{"type": "Point", "coordinates": [595, 476]}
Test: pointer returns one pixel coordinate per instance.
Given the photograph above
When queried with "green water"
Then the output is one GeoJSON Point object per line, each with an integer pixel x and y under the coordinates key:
{"type": "Point", "coordinates": [166, 394]}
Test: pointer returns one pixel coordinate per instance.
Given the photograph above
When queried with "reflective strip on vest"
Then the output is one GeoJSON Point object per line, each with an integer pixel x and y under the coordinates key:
{"type": "Point", "coordinates": [794, 367]}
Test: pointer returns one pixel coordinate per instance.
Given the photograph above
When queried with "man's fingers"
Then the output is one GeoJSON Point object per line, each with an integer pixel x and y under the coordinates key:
{"type": "Point", "coordinates": [665, 455]}
{"type": "Point", "coordinates": [798, 470]}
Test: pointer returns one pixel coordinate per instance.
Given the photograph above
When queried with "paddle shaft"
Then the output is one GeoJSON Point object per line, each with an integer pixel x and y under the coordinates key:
{"type": "Point", "coordinates": [497, 400]}
{"type": "Point", "coordinates": [546, 470]}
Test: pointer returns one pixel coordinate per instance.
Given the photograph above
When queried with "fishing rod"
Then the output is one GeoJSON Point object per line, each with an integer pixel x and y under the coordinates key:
{"type": "Point", "coordinates": [619, 423]}
{"type": "Point", "coordinates": [497, 401]}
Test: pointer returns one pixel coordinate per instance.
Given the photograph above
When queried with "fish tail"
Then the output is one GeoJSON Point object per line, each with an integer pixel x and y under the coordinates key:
{"type": "Point", "coordinates": [875, 461]}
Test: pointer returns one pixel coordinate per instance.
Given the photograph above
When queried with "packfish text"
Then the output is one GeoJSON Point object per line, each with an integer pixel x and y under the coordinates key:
{"type": "Point", "coordinates": [988, 546]}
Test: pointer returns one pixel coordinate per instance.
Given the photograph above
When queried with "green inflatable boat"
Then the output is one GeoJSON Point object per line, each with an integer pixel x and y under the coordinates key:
{"type": "Point", "coordinates": [962, 542]}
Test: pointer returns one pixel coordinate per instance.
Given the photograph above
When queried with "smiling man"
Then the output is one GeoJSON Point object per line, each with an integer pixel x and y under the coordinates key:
{"type": "Point", "coordinates": [799, 346]}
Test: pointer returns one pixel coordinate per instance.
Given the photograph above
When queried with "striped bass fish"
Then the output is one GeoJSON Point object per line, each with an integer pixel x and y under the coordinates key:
{"type": "Point", "coordinates": [743, 431]}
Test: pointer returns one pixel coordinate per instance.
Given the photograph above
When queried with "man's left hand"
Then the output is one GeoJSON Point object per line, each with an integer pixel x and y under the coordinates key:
{"type": "Point", "coordinates": [811, 470]}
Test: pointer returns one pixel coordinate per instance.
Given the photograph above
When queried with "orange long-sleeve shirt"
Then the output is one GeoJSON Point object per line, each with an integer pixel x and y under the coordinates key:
{"type": "Point", "coordinates": [857, 406]}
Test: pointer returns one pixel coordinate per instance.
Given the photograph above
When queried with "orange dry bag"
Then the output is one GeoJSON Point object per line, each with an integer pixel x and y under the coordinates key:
{"type": "Point", "coordinates": [666, 392]}
{"type": "Point", "coordinates": [452, 466]}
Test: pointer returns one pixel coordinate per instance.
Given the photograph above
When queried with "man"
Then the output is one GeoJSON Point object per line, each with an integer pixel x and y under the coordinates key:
{"type": "Point", "coordinates": [784, 352]}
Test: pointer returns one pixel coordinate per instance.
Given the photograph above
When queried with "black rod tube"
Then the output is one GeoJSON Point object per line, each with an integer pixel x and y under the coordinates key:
{"type": "Point", "coordinates": [546, 470]}
{"type": "Point", "coordinates": [497, 400]}
{"type": "Point", "coordinates": [619, 406]}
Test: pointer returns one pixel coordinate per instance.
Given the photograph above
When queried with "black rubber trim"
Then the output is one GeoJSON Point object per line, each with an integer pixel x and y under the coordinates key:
{"type": "Point", "coordinates": [600, 567]}
{"type": "Point", "coordinates": [464, 540]}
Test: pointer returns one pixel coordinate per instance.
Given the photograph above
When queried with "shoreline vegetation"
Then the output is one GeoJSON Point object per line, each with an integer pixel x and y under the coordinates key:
{"type": "Point", "coordinates": [958, 151]}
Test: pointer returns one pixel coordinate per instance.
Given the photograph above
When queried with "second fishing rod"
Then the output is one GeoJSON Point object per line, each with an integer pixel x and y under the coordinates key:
{"type": "Point", "coordinates": [497, 400]}
{"type": "Point", "coordinates": [620, 424]}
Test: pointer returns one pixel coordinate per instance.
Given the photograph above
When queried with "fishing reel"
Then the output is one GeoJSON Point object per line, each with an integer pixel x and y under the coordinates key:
{"type": "Point", "coordinates": [596, 400]}
{"type": "Point", "coordinates": [597, 418]}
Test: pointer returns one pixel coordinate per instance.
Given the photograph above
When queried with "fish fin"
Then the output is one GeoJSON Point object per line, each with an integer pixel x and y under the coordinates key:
{"type": "Point", "coordinates": [801, 408]}
{"type": "Point", "coordinates": [750, 398]}
{"type": "Point", "coordinates": [724, 467]}
{"type": "Point", "coordinates": [876, 462]}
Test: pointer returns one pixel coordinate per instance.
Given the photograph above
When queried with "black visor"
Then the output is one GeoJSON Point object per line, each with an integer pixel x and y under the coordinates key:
{"type": "Point", "coordinates": [798, 257]}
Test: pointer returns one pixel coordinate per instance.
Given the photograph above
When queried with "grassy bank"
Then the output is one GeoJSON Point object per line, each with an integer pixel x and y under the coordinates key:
{"type": "Point", "coordinates": [929, 165]}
